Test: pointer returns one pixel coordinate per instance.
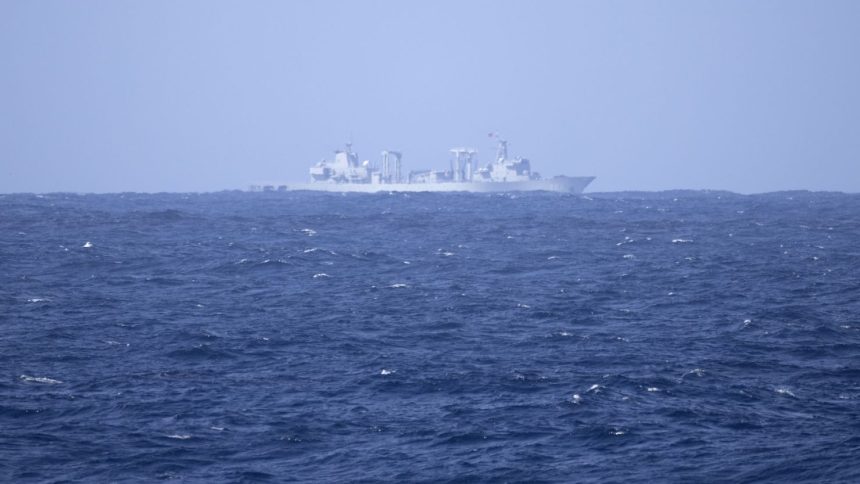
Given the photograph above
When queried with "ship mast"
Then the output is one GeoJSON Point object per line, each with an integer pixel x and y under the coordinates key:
{"type": "Point", "coordinates": [502, 149]}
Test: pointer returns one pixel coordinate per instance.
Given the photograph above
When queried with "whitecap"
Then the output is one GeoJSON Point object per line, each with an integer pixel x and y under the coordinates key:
{"type": "Point", "coordinates": [594, 388]}
{"type": "Point", "coordinates": [309, 232]}
{"type": "Point", "coordinates": [576, 398]}
{"type": "Point", "coordinates": [179, 436]}
{"type": "Point", "coordinates": [629, 256]}
{"type": "Point", "coordinates": [552, 257]}
{"type": "Point", "coordinates": [785, 391]}
{"type": "Point", "coordinates": [386, 372]}
{"type": "Point", "coordinates": [524, 306]}
{"type": "Point", "coordinates": [40, 379]}
{"type": "Point", "coordinates": [682, 241]}
{"type": "Point", "coordinates": [320, 275]}
{"type": "Point", "coordinates": [398, 285]}
{"type": "Point", "coordinates": [218, 429]}
{"type": "Point", "coordinates": [652, 389]}
{"type": "Point", "coordinates": [37, 300]}
{"type": "Point", "coordinates": [696, 371]}
{"type": "Point", "coordinates": [87, 245]}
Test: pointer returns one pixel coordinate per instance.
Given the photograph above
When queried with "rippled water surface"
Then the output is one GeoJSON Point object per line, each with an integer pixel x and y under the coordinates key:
{"type": "Point", "coordinates": [685, 336]}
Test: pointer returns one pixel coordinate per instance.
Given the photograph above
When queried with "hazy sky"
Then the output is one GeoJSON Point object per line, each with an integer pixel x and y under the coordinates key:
{"type": "Point", "coordinates": [749, 96]}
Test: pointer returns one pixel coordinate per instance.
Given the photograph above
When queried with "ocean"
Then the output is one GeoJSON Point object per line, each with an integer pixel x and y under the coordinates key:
{"type": "Point", "coordinates": [688, 336]}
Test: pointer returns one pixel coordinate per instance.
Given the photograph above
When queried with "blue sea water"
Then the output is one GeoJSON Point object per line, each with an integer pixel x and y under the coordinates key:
{"type": "Point", "coordinates": [272, 337]}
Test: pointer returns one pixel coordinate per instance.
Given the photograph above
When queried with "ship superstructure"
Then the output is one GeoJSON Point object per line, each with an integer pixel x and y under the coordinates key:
{"type": "Point", "coordinates": [345, 173]}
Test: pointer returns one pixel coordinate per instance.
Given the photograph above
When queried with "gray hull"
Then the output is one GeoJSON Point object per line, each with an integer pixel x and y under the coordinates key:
{"type": "Point", "coordinates": [563, 184]}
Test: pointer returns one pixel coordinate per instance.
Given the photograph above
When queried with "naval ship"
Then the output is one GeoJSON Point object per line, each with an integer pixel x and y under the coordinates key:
{"type": "Point", "coordinates": [347, 174]}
